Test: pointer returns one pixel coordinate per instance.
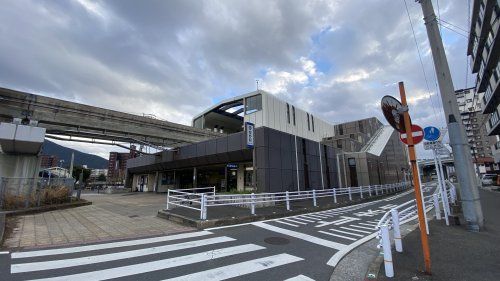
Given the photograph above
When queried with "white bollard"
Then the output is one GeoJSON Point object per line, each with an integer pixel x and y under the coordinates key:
{"type": "Point", "coordinates": [168, 199]}
{"type": "Point", "coordinates": [361, 192]}
{"type": "Point", "coordinates": [386, 248]}
{"type": "Point", "coordinates": [350, 194]}
{"type": "Point", "coordinates": [314, 198]}
{"type": "Point", "coordinates": [370, 190]}
{"type": "Point", "coordinates": [334, 196]}
{"type": "Point", "coordinates": [376, 190]}
{"type": "Point", "coordinates": [203, 207]}
{"type": "Point", "coordinates": [287, 197]}
{"type": "Point", "coordinates": [253, 204]}
{"type": "Point", "coordinates": [396, 231]}
{"type": "Point", "coordinates": [436, 206]}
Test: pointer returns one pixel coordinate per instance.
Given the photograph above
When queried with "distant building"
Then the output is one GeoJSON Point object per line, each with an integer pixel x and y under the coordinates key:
{"type": "Point", "coordinates": [49, 161]}
{"type": "Point", "coordinates": [469, 105]}
{"type": "Point", "coordinates": [95, 173]}
{"type": "Point", "coordinates": [117, 164]}
{"type": "Point", "coordinates": [484, 50]}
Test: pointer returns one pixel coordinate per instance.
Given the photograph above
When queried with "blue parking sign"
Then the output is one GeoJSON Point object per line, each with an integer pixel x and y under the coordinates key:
{"type": "Point", "coordinates": [431, 133]}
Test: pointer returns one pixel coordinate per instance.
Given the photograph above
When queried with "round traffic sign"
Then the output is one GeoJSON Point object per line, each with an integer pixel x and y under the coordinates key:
{"type": "Point", "coordinates": [431, 133]}
{"type": "Point", "coordinates": [416, 132]}
{"type": "Point", "coordinates": [393, 112]}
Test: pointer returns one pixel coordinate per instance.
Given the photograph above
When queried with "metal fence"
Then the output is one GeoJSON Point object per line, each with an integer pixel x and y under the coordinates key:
{"type": "Point", "coordinates": [198, 200]}
{"type": "Point", "coordinates": [22, 193]}
{"type": "Point", "coordinates": [407, 212]}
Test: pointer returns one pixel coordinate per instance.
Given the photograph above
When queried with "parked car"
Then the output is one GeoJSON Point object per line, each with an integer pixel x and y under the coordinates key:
{"type": "Point", "coordinates": [488, 179]}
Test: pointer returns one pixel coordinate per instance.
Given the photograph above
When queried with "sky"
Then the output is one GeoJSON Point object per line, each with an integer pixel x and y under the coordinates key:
{"type": "Point", "coordinates": [173, 59]}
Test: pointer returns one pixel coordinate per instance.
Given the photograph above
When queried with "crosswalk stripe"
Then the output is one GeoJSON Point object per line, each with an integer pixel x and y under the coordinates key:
{"type": "Point", "coordinates": [39, 253]}
{"type": "Point", "coordinates": [302, 236]}
{"type": "Point", "coordinates": [345, 232]}
{"type": "Point", "coordinates": [362, 227]}
{"type": "Point", "coordinates": [337, 235]}
{"type": "Point", "coordinates": [239, 269]}
{"type": "Point", "coordinates": [318, 216]}
{"type": "Point", "coordinates": [300, 278]}
{"type": "Point", "coordinates": [139, 268]}
{"type": "Point", "coordinates": [290, 224]}
{"type": "Point", "coordinates": [362, 231]}
{"type": "Point", "coordinates": [294, 221]}
{"type": "Point", "coordinates": [46, 265]}
{"type": "Point", "coordinates": [370, 223]}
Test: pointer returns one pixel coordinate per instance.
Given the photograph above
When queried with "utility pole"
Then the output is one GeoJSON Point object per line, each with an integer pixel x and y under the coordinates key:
{"type": "Point", "coordinates": [471, 205]}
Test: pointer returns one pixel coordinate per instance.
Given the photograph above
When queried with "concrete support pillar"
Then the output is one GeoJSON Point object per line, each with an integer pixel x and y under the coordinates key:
{"type": "Point", "coordinates": [240, 177]}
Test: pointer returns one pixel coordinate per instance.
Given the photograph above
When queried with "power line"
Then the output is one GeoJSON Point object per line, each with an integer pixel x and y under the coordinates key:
{"type": "Point", "coordinates": [420, 58]}
{"type": "Point", "coordinates": [451, 29]}
{"type": "Point", "coordinates": [456, 26]}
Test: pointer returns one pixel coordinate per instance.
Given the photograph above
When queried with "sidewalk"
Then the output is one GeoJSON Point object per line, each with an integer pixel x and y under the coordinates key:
{"type": "Point", "coordinates": [456, 254]}
{"type": "Point", "coordinates": [111, 217]}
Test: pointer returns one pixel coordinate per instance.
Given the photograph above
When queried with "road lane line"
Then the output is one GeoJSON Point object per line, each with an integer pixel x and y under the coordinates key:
{"type": "Point", "coordinates": [302, 236]}
{"type": "Point", "coordinates": [18, 255]}
{"type": "Point", "coordinates": [53, 264]}
{"type": "Point", "coordinates": [337, 235]}
{"type": "Point", "coordinates": [139, 268]}
{"type": "Point", "coordinates": [239, 269]}
{"type": "Point", "coordinates": [362, 231]}
{"type": "Point", "coordinates": [362, 227]}
{"type": "Point", "coordinates": [334, 260]}
{"type": "Point", "coordinates": [345, 232]}
{"type": "Point", "coordinates": [290, 224]}
{"type": "Point", "coordinates": [370, 225]}
{"type": "Point", "coordinates": [300, 278]}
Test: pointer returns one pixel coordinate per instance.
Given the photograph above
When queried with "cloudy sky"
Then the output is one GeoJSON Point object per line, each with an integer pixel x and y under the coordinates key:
{"type": "Point", "coordinates": [175, 58]}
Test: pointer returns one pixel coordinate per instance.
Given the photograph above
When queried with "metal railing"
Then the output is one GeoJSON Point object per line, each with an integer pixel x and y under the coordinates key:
{"type": "Point", "coordinates": [407, 212]}
{"type": "Point", "coordinates": [201, 201]}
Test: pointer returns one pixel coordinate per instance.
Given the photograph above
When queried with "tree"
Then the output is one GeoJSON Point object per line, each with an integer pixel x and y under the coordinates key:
{"type": "Point", "coordinates": [77, 170]}
{"type": "Point", "coordinates": [101, 177]}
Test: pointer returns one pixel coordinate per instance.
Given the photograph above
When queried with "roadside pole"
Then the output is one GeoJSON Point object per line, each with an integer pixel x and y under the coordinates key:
{"type": "Point", "coordinates": [416, 182]}
{"type": "Point", "coordinates": [469, 192]}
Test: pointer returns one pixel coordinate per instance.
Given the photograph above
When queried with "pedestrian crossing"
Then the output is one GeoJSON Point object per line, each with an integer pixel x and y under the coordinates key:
{"type": "Point", "coordinates": [206, 255]}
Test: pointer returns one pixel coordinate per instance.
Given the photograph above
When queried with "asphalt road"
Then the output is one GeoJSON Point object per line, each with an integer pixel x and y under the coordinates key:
{"type": "Point", "coordinates": [302, 247]}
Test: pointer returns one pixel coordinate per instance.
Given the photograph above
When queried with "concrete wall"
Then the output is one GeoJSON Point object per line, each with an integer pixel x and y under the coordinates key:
{"type": "Point", "coordinates": [19, 166]}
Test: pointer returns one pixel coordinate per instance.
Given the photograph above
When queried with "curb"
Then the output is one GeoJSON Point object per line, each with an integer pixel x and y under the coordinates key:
{"type": "Point", "coordinates": [47, 208]}
{"type": "Point", "coordinates": [202, 224]}
{"type": "Point", "coordinates": [2, 226]}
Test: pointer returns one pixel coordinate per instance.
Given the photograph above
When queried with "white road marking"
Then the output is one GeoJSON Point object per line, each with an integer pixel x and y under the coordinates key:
{"type": "Point", "coordinates": [301, 219]}
{"type": "Point", "coordinates": [362, 227]}
{"type": "Point", "coordinates": [362, 231]}
{"type": "Point", "coordinates": [139, 268]}
{"type": "Point", "coordinates": [310, 217]}
{"type": "Point", "coordinates": [239, 269]}
{"type": "Point", "coordinates": [302, 236]}
{"type": "Point", "coordinates": [300, 278]}
{"type": "Point", "coordinates": [53, 264]}
{"type": "Point", "coordinates": [60, 251]}
{"type": "Point", "coordinates": [334, 260]}
{"type": "Point", "coordinates": [318, 216]}
{"type": "Point", "coordinates": [372, 226]}
{"type": "Point", "coordinates": [4, 253]}
{"type": "Point", "coordinates": [294, 225]}
{"type": "Point", "coordinates": [369, 223]}
{"type": "Point", "coordinates": [337, 235]}
{"type": "Point", "coordinates": [345, 232]}
{"type": "Point", "coordinates": [294, 221]}
{"type": "Point", "coordinates": [341, 221]}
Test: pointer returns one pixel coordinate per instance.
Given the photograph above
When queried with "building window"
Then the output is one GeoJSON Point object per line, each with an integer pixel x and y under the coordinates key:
{"type": "Point", "coordinates": [288, 113]}
{"type": "Point", "coordinates": [341, 130]}
{"type": "Point", "coordinates": [293, 114]}
{"type": "Point", "coordinates": [360, 124]}
{"type": "Point", "coordinates": [308, 123]}
{"type": "Point", "coordinates": [253, 104]}
{"type": "Point", "coordinates": [198, 123]}
{"type": "Point", "coordinates": [312, 121]}
{"type": "Point", "coordinates": [339, 143]}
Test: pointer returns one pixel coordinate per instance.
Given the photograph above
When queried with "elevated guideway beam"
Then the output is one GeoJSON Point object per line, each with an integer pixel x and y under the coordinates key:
{"type": "Point", "coordinates": [72, 119]}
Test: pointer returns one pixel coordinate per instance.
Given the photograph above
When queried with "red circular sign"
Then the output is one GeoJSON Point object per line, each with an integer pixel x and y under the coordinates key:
{"type": "Point", "coordinates": [417, 133]}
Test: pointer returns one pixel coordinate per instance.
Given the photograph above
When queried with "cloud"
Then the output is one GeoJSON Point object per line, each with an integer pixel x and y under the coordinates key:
{"type": "Point", "coordinates": [173, 59]}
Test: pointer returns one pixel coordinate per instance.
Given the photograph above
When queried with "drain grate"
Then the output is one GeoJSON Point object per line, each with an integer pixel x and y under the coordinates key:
{"type": "Point", "coordinates": [276, 240]}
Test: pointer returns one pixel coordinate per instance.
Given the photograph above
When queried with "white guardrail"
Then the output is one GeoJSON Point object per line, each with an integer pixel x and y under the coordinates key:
{"type": "Point", "coordinates": [407, 212]}
{"type": "Point", "coordinates": [201, 198]}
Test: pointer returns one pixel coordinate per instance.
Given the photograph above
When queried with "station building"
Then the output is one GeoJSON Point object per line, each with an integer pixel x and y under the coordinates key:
{"type": "Point", "coordinates": [293, 150]}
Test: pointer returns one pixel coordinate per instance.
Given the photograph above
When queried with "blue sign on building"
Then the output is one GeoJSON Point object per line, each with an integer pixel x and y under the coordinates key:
{"type": "Point", "coordinates": [431, 133]}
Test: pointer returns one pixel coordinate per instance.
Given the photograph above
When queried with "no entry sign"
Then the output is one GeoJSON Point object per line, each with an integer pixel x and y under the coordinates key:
{"type": "Point", "coordinates": [417, 133]}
